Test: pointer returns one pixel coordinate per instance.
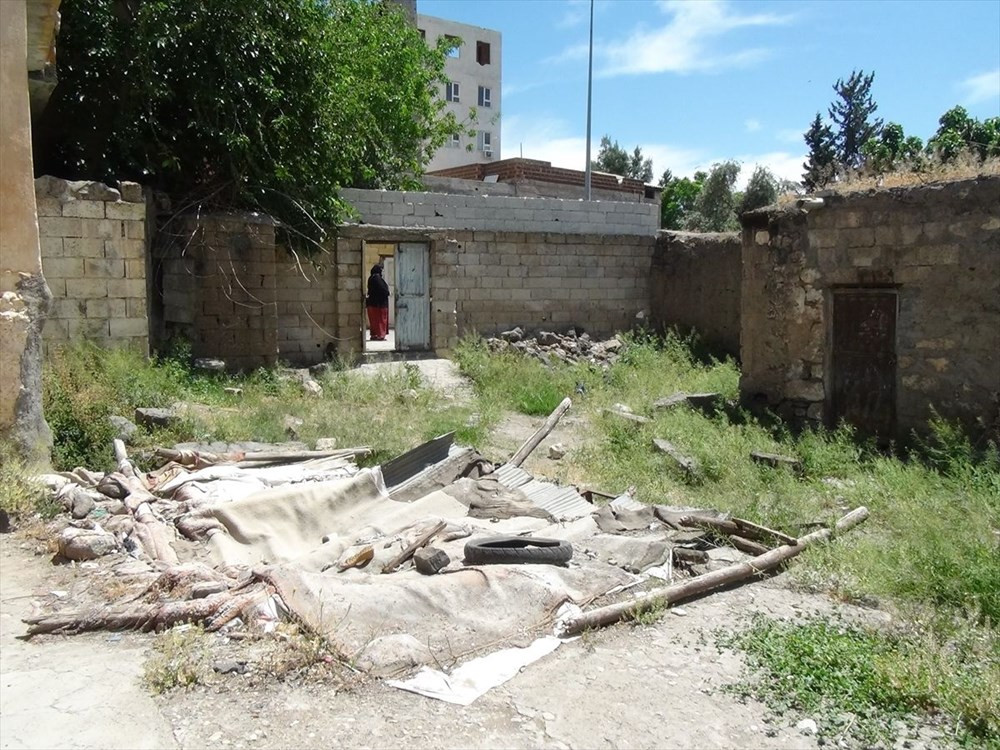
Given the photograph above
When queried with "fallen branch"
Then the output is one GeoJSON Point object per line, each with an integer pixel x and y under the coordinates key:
{"type": "Point", "coordinates": [531, 443]}
{"type": "Point", "coordinates": [704, 583]}
{"type": "Point", "coordinates": [745, 545]}
{"type": "Point", "coordinates": [214, 611]}
{"type": "Point", "coordinates": [407, 553]}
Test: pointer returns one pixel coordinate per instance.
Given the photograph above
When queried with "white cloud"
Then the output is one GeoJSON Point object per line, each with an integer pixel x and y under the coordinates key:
{"type": "Point", "coordinates": [981, 88]}
{"type": "Point", "coordinates": [576, 13]}
{"type": "Point", "coordinates": [682, 44]}
{"type": "Point", "coordinates": [783, 164]}
{"type": "Point", "coordinates": [790, 135]}
{"type": "Point", "coordinates": [752, 125]}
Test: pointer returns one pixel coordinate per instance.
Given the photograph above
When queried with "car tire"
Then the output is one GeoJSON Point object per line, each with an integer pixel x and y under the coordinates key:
{"type": "Point", "coordinates": [514, 550]}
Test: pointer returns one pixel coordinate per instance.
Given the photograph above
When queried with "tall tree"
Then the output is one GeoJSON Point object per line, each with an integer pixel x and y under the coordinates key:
{"type": "Point", "coordinates": [614, 159]}
{"type": "Point", "coordinates": [851, 113]}
{"type": "Point", "coordinates": [822, 163]}
{"type": "Point", "coordinates": [891, 149]}
{"type": "Point", "coordinates": [715, 206]}
{"type": "Point", "coordinates": [270, 105]}
{"type": "Point", "coordinates": [678, 198]}
{"type": "Point", "coordinates": [762, 190]}
{"type": "Point", "coordinates": [958, 132]}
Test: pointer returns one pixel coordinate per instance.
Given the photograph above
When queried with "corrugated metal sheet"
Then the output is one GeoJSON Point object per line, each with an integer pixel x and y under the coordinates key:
{"type": "Point", "coordinates": [411, 463]}
{"type": "Point", "coordinates": [562, 502]}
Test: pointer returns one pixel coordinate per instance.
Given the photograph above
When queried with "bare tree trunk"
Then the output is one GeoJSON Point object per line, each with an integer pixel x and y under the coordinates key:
{"type": "Point", "coordinates": [700, 584]}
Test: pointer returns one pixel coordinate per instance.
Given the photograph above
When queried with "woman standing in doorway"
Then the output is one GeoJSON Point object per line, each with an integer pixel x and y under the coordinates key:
{"type": "Point", "coordinates": [377, 304]}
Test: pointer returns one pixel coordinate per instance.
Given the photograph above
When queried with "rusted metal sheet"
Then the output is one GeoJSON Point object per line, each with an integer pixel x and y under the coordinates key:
{"type": "Point", "coordinates": [413, 302]}
{"type": "Point", "coordinates": [864, 360]}
{"type": "Point", "coordinates": [414, 461]}
{"type": "Point", "coordinates": [563, 502]}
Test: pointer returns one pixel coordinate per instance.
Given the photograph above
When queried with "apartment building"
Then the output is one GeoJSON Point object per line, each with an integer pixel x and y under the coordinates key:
{"type": "Point", "coordinates": [474, 80]}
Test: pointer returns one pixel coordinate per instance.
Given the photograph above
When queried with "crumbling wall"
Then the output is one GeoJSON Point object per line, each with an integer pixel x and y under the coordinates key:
{"type": "Point", "coordinates": [217, 277]}
{"type": "Point", "coordinates": [695, 284]}
{"type": "Point", "coordinates": [937, 246]}
{"type": "Point", "coordinates": [503, 213]}
{"type": "Point", "coordinates": [93, 244]}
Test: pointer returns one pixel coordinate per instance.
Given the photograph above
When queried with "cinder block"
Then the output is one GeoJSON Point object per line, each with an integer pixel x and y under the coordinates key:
{"type": "Point", "coordinates": [124, 249]}
{"type": "Point", "coordinates": [128, 327]}
{"type": "Point", "coordinates": [91, 328]}
{"type": "Point", "coordinates": [104, 229]}
{"type": "Point", "coordinates": [104, 268]}
{"type": "Point", "coordinates": [57, 226]}
{"type": "Point", "coordinates": [122, 210]}
{"type": "Point", "coordinates": [86, 288]}
{"type": "Point", "coordinates": [84, 209]}
{"type": "Point", "coordinates": [48, 206]}
{"type": "Point", "coordinates": [126, 288]}
{"type": "Point", "coordinates": [66, 268]}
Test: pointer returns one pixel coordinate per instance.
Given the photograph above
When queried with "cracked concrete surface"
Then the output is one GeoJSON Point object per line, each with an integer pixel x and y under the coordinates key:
{"type": "Point", "coordinates": [68, 692]}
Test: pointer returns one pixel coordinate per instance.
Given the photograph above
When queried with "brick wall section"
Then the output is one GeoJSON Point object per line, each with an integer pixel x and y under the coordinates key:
{"type": "Point", "coordinates": [219, 287]}
{"type": "Point", "coordinates": [695, 284]}
{"type": "Point", "coordinates": [94, 252]}
{"type": "Point", "coordinates": [503, 213]}
{"type": "Point", "coordinates": [938, 246]}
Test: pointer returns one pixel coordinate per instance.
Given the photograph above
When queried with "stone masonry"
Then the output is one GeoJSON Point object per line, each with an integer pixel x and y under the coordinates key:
{"type": "Point", "coordinates": [93, 244]}
{"type": "Point", "coordinates": [695, 284]}
{"type": "Point", "coordinates": [936, 246]}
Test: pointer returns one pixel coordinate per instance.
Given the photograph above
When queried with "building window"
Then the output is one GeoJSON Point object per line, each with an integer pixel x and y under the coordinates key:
{"type": "Point", "coordinates": [454, 43]}
{"type": "Point", "coordinates": [423, 34]}
{"type": "Point", "coordinates": [485, 97]}
{"type": "Point", "coordinates": [486, 142]}
{"type": "Point", "coordinates": [451, 91]}
{"type": "Point", "coordinates": [455, 141]}
{"type": "Point", "coordinates": [483, 53]}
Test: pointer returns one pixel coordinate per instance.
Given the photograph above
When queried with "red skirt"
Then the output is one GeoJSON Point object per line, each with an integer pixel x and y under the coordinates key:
{"type": "Point", "coordinates": [378, 323]}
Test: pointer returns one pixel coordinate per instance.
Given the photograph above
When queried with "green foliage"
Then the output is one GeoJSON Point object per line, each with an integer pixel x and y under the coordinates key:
{"type": "Point", "coordinates": [715, 206]}
{"type": "Point", "coordinates": [891, 149]}
{"type": "Point", "coordinates": [860, 682]}
{"type": "Point", "coordinates": [678, 198]}
{"type": "Point", "coordinates": [762, 190]}
{"type": "Point", "coordinates": [851, 113]}
{"type": "Point", "coordinates": [269, 105]}
{"type": "Point", "coordinates": [20, 494]}
{"type": "Point", "coordinates": [180, 659]}
{"type": "Point", "coordinates": [821, 166]}
{"type": "Point", "coordinates": [614, 159]}
{"type": "Point", "coordinates": [958, 133]}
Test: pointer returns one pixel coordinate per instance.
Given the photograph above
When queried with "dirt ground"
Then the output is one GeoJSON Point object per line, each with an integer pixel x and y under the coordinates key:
{"type": "Point", "coordinates": [632, 686]}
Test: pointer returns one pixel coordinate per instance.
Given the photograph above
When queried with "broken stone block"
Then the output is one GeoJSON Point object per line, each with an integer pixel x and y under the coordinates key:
{"type": "Point", "coordinates": [125, 428]}
{"type": "Point", "coordinates": [131, 192]}
{"type": "Point", "coordinates": [326, 444]}
{"type": "Point", "coordinates": [547, 338]}
{"type": "Point", "coordinates": [311, 387]}
{"type": "Point", "coordinates": [292, 426]}
{"type": "Point", "coordinates": [513, 335]}
{"type": "Point", "coordinates": [210, 364]}
{"type": "Point", "coordinates": [684, 462]}
{"type": "Point", "coordinates": [429, 560]}
{"type": "Point", "coordinates": [557, 451]}
{"type": "Point", "coordinates": [150, 417]}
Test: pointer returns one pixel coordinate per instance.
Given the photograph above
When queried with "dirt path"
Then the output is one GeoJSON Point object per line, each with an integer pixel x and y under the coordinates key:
{"type": "Point", "coordinates": [629, 686]}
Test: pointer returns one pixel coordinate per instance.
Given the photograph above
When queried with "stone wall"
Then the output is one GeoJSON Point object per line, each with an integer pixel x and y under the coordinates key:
{"type": "Point", "coordinates": [306, 302]}
{"type": "Point", "coordinates": [503, 213]}
{"type": "Point", "coordinates": [695, 284]}
{"type": "Point", "coordinates": [936, 246]}
{"type": "Point", "coordinates": [93, 244]}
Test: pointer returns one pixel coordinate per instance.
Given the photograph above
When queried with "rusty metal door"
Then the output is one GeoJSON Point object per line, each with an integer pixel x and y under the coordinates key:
{"type": "Point", "coordinates": [864, 360]}
{"type": "Point", "coordinates": [413, 300]}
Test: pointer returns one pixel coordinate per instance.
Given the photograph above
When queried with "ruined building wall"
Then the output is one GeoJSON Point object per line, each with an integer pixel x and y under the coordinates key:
{"type": "Point", "coordinates": [695, 284]}
{"type": "Point", "coordinates": [938, 248]}
{"type": "Point", "coordinates": [94, 254]}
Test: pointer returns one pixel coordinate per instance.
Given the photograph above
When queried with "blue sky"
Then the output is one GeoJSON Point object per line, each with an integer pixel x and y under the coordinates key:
{"type": "Point", "coordinates": [697, 81]}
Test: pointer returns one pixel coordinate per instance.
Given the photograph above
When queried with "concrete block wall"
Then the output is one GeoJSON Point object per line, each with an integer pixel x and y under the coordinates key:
{"type": "Point", "coordinates": [937, 246]}
{"type": "Point", "coordinates": [499, 280]}
{"type": "Point", "coordinates": [503, 213]}
{"type": "Point", "coordinates": [306, 308]}
{"type": "Point", "coordinates": [218, 276]}
{"type": "Point", "coordinates": [695, 284]}
{"type": "Point", "coordinates": [94, 257]}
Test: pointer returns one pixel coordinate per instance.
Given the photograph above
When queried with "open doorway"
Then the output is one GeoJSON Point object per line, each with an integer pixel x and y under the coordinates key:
{"type": "Point", "coordinates": [406, 271]}
{"type": "Point", "coordinates": [383, 253]}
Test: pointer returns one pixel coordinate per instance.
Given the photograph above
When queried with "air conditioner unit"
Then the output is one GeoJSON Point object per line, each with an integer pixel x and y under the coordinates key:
{"type": "Point", "coordinates": [488, 153]}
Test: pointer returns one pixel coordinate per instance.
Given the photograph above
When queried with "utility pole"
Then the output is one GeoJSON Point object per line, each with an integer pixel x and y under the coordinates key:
{"type": "Point", "coordinates": [590, 85]}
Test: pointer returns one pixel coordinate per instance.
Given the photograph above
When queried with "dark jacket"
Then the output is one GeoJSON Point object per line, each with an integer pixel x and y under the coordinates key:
{"type": "Point", "coordinates": [378, 291]}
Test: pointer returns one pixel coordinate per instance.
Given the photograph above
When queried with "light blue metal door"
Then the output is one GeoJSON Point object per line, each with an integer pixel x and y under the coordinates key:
{"type": "Point", "coordinates": [413, 301]}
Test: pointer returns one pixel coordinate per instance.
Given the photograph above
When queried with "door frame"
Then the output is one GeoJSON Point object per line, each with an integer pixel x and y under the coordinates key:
{"type": "Point", "coordinates": [427, 344]}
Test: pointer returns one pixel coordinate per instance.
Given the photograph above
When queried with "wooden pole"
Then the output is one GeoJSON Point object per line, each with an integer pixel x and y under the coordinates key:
{"type": "Point", "coordinates": [531, 443]}
{"type": "Point", "coordinates": [700, 584]}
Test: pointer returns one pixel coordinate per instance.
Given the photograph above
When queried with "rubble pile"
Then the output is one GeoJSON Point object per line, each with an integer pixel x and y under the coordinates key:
{"type": "Point", "coordinates": [549, 347]}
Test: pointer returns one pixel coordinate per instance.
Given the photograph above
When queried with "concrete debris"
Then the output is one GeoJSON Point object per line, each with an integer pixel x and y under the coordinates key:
{"type": "Point", "coordinates": [549, 347]}
{"type": "Point", "coordinates": [430, 560]}
{"type": "Point", "coordinates": [326, 444]}
{"type": "Point", "coordinates": [311, 387]}
{"type": "Point", "coordinates": [86, 544]}
{"type": "Point", "coordinates": [557, 451]}
{"type": "Point", "coordinates": [209, 364]}
{"type": "Point", "coordinates": [702, 401]}
{"type": "Point", "coordinates": [683, 461]}
{"type": "Point", "coordinates": [230, 666]}
{"type": "Point", "coordinates": [623, 412]}
{"type": "Point", "coordinates": [774, 460]}
{"type": "Point", "coordinates": [292, 426]}
{"type": "Point", "coordinates": [807, 727]}
{"type": "Point", "coordinates": [232, 391]}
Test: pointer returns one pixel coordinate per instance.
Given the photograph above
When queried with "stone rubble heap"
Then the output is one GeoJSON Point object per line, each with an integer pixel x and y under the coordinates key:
{"type": "Point", "coordinates": [549, 347]}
